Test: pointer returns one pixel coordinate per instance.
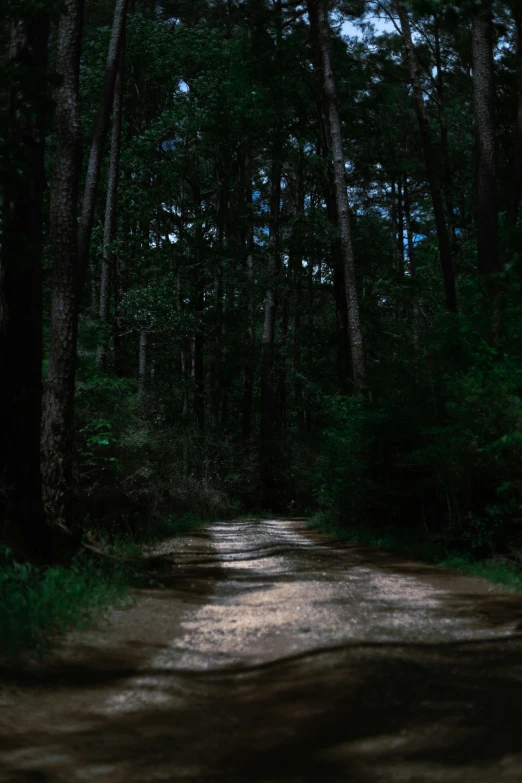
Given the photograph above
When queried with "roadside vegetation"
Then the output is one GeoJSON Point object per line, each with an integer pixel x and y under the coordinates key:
{"type": "Point", "coordinates": [39, 604]}
{"type": "Point", "coordinates": [502, 569]}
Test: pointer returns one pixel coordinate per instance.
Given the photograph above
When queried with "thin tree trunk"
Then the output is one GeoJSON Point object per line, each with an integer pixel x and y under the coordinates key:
{"type": "Point", "coordinates": [58, 438]}
{"type": "Point", "coordinates": [119, 337]}
{"type": "Point", "coordinates": [267, 340]}
{"type": "Point", "coordinates": [184, 377]}
{"type": "Point", "coordinates": [400, 228]}
{"type": "Point", "coordinates": [393, 214]}
{"type": "Point", "coordinates": [486, 212]}
{"type": "Point", "coordinates": [218, 348]}
{"type": "Point", "coordinates": [142, 366]}
{"type": "Point", "coordinates": [515, 190]}
{"type": "Point", "coordinates": [280, 420]}
{"type": "Point", "coordinates": [341, 312]}
{"type": "Point", "coordinates": [310, 333]}
{"type": "Point", "coordinates": [444, 143]}
{"type": "Point", "coordinates": [218, 309]}
{"type": "Point", "coordinates": [101, 126]}
{"type": "Point", "coordinates": [296, 270]}
{"type": "Point", "coordinates": [109, 233]}
{"type": "Point", "coordinates": [199, 301]}
{"type": "Point", "coordinates": [21, 506]}
{"type": "Point", "coordinates": [319, 17]}
{"type": "Point", "coordinates": [184, 348]}
{"type": "Point", "coordinates": [248, 242]}
{"type": "Point", "coordinates": [412, 265]}
{"type": "Point", "coordinates": [409, 231]}
{"type": "Point", "coordinates": [446, 259]}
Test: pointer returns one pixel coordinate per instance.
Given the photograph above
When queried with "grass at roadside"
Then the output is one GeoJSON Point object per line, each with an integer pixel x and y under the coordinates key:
{"type": "Point", "coordinates": [38, 605]}
{"type": "Point", "coordinates": [418, 547]}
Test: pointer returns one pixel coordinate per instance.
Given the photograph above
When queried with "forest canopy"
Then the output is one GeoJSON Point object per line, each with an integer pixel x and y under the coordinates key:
{"type": "Point", "coordinates": [250, 261]}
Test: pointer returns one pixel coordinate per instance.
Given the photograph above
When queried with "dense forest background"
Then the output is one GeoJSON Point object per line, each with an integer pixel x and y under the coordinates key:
{"type": "Point", "coordinates": [263, 266]}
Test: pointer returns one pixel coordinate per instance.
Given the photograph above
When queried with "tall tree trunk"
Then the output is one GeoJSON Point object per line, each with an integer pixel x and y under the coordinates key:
{"type": "Point", "coordinates": [248, 243]}
{"type": "Point", "coordinates": [199, 307]}
{"type": "Point", "coordinates": [267, 340]}
{"type": "Point", "coordinates": [296, 271]}
{"type": "Point", "coordinates": [393, 215]}
{"type": "Point", "coordinates": [400, 227]}
{"type": "Point", "coordinates": [101, 126]}
{"type": "Point", "coordinates": [142, 366]}
{"type": "Point", "coordinates": [21, 506]}
{"type": "Point", "coordinates": [341, 315]}
{"type": "Point", "coordinates": [119, 313]}
{"type": "Point", "coordinates": [310, 333]}
{"type": "Point", "coordinates": [444, 143]}
{"type": "Point", "coordinates": [280, 413]}
{"type": "Point", "coordinates": [409, 231]}
{"type": "Point", "coordinates": [184, 347]}
{"type": "Point", "coordinates": [184, 378]}
{"type": "Point", "coordinates": [218, 309]}
{"type": "Point", "coordinates": [515, 190]}
{"type": "Point", "coordinates": [412, 264]}
{"type": "Point", "coordinates": [109, 232]}
{"type": "Point", "coordinates": [319, 18]}
{"type": "Point", "coordinates": [486, 211]}
{"type": "Point", "coordinates": [58, 440]}
{"type": "Point", "coordinates": [446, 259]}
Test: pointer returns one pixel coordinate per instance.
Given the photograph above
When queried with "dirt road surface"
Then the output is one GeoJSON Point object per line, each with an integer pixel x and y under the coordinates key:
{"type": "Point", "coordinates": [258, 651]}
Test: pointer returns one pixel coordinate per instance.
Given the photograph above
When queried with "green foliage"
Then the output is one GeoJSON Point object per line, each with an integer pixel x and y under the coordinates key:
{"type": "Point", "coordinates": [39, 604]}
{"type": "Point", "coordinates": [440, 443]}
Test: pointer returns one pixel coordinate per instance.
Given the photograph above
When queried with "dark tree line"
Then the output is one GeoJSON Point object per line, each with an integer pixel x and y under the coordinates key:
{"type": "Point", "coordinates": [265, 258]}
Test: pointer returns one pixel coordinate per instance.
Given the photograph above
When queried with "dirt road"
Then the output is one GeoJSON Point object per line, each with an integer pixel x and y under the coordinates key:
{"type": "Point", "coordinates": [257, 651]}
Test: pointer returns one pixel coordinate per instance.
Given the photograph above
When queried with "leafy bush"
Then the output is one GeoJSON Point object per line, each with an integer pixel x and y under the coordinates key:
{"type": "Point", "coordinates": [441, 449]}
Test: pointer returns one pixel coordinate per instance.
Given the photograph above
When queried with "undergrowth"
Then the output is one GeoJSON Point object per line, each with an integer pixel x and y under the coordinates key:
{"type": "Point", "coordinates": [500, 570]}
{"type": "Point", "coordinates": [38, 604]}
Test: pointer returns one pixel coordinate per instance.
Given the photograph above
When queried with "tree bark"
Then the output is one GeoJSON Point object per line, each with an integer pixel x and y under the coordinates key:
{"type": "Point", "coordinates": [267, 340]}
{"type": "Point", "coordinates": [446, 259]}
{"type": "Point", "coordinates": [310, 334]}
{"type": "Point", "coordinates": [184, 376]}
{"type": "Point", "coordinates": [515, 190]}
{"type": "Point", "coordinates": [341, 313]}
{"type": "Point", "coordinates": [58, 437]}
{"type": "Point", "coordinates": [218, 309]}
{"type": "Point", "coordinates": [248, 243]}
{"type": "Point", "coordinates": [400, 228]}
{"type": "Point", "coordinates": [142, 366]}
{"type": "Point", "coordinates": [199, 307]}
{"type": "Point", "coordinates": [319, 18]}
{"type": "Point", "coordinates": [21, 506]}
{"type": "Point", "coordinates": [280, 413]}
{"type": "Point", "coordinates": [486, 212]}
{"type": "Point", "coordinates": [444, 143]}
{"type": "Point", "coordinates": [109, 233]}
{"type": "Point", "coordinates": [101, 126]}
{"type": "Point", "coordinates": [296, 270]}
{"type": "Point", "coordinates": [412, 264]}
